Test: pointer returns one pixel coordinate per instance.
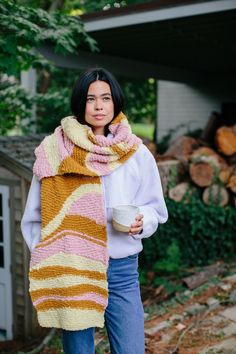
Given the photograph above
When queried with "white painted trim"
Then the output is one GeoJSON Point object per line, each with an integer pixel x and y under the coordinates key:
{"type": "Point", "coordinates": [29, 83]}
{"type": "Point", "coordinates": [28, 80]}
{"type": "Point", "coordinates": [159, 15]}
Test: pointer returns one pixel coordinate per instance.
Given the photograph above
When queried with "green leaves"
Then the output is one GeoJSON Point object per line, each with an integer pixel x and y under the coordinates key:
{"type": "Point", "coordinates": [15, 105]}
{"type": "Point", "coordinates": [141, 100]}
{"type": "Point", "coordinates": [172, 261]}
{"type": "Point", "coordinates": [52, 107]}
{"type": "Point", "coordinates": [25, 28]}
{"type": "Point", "coordinates": [195, 234]}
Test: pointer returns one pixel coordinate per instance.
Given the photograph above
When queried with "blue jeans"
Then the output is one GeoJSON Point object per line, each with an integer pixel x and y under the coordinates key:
{"type": "Point", "coordinates": [124, 318]}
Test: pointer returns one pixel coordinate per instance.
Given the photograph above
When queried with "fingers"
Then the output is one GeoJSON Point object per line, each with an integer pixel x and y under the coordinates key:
{"type": "Point", "coordinates": [137, 226]}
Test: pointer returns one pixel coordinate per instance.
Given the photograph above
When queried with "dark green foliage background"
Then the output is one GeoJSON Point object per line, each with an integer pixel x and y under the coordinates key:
{"type": "Point", "coordinates": [28, 25]}
{"type": "Point", "coordinates": [140, 99]}
{"type": "Point", "coordinates": [202, 233]}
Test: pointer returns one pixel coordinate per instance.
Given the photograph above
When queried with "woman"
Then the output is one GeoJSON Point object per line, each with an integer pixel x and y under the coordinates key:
{"type": "Point", "coordinates": [83, 273]}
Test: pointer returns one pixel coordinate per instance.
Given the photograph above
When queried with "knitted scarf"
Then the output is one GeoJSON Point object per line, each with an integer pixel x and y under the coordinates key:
{"type": "Point", "coordinates": [68, 284]}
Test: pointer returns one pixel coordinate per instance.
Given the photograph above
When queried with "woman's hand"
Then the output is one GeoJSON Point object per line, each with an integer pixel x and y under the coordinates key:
{"type": "Point", "coordinates": [137, 226]}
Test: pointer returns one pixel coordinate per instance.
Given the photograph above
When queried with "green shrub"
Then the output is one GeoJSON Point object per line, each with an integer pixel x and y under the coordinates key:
{"type": "Point", "coordinates": [172, 262]}
{"type": "Point", "coordinates": [195, 234]}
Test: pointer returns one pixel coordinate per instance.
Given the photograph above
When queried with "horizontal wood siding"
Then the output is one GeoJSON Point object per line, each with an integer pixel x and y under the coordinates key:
{"type": "Point", "coordinates": [25, 322]}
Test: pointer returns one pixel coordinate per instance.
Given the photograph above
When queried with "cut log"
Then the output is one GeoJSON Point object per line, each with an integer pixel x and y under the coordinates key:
{"type": "Point", "coordinates": [216, 195]}
{"type": "Point", "coordinates": [202, 173]}
{"type": "Point", "coordinates": [225, 174]}
{"type": "Point", "coordinates": [232, 183]}
{"type": "Point", "coordinates": [205, 166]}
{"type": "Point", "coordinates": [171, 173]}
{"type": "Point", "coordinates": [181, 148]}
{"type": "Point", "coordinates": [182, 191]}
{"type": "Point", "coordinates": [203, 153]}
{"type": "Point", "coordinates": [194, 281]}
{"type": "Point", "coordinates": [226, 140]}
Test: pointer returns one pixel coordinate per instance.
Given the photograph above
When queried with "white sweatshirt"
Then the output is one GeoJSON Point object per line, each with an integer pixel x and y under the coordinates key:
{"type": "Point", "coordinates": [136, 182]}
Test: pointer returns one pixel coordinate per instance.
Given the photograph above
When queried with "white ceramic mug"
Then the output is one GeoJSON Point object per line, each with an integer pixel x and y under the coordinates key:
{"type": "Point", "coordinates": [123, 216]}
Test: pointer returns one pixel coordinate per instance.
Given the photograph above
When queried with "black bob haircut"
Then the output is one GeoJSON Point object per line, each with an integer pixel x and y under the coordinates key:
{"type": "Point", "coordinates": [80, 91]}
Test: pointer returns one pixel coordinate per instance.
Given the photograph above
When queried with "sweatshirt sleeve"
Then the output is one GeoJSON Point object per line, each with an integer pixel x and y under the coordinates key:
{"type": "Point", "coordinates": [31, 220]}
{"type": "Point", "coordinates": [150, 197]}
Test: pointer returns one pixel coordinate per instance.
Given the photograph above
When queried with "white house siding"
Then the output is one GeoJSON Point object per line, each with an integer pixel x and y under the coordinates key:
{"type": "Point", "coordinates": [189, 105]}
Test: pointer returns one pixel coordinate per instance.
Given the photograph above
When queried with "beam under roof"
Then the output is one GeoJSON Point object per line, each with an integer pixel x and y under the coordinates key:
{"type": "Point", "coordinates": [95, 23]}
{"type": "Point", "coordinates": [120, 66]}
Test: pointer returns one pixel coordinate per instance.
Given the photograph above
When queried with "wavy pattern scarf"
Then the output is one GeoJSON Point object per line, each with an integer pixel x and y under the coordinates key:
{"type": "Point", "coordinates": [68, 284]}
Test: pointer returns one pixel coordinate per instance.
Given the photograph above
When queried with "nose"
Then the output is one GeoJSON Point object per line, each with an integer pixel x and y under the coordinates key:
{"type": "Point", "coordinates": [98, 105]}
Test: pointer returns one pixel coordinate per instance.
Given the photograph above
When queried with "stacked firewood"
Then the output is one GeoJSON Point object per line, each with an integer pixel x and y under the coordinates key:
{"type": "Point", "coordinates": [211, 167]}
{"type": "Point", "coordinates": [207, 163]}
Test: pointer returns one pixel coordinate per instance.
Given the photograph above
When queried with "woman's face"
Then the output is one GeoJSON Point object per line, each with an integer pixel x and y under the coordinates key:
{"type": "Point", "coordinates": [99, 110]}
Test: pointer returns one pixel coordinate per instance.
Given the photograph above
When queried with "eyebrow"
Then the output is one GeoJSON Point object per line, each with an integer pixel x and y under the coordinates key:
{"type": "Point", "coordinates": [103, 94]}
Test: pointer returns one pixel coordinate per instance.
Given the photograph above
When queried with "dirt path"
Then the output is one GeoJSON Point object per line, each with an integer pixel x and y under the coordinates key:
{"type": "Point", "coordinates": [203, 321]}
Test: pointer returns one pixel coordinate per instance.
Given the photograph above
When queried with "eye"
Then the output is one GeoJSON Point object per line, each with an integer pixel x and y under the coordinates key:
{"type": "Point", "coordinates": [90, 99]}
{"type": "Point", "coordinates": [107, 98]}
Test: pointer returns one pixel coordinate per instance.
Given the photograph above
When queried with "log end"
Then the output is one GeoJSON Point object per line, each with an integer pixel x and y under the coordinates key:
{"type": "Point", "coordinates": [202, 174]}
{"type": "Point", "coordinates": [216, 195]}
{"type": "Point", "coordinates": [226, 140]}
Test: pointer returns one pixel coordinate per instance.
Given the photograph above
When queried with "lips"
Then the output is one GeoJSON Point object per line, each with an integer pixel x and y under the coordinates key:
{"type": "Point", "coordinates": [99, 116]}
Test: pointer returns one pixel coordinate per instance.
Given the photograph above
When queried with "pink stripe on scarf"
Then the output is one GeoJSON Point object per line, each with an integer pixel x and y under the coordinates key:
{"type": "Point", "coordinates": [101, 169]}
{"type": "Point", "coordinates": [88, 206]}
{"type": "Point", "coordinates": [42, 167]}
{"type": "Point", "coordinates": [122, 133]}
{"type": "Point", "coordinates": [70, 245]}
{"type": "Point", "coordinates": [96, 149]}
{"type": "Point", "coordinates": [88, 296]}
{"type": "Point", "coordinates": [73, 233]}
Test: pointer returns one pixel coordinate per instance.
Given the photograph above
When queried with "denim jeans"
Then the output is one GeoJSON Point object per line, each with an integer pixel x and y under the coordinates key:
{"type": "Point", "coordinates": [124, 318]}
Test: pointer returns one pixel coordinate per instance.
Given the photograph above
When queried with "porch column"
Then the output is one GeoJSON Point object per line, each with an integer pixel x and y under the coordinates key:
{"type": "Point", "coordinates": [28, 82]}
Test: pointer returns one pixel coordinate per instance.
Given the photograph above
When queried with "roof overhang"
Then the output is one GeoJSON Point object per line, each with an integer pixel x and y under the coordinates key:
{"type": "Point", "coordinates": [17, 153]}
{"type": "Point", "coordinates": [179, 40]}
{"type": "Point", "coordinates": [16, 166]}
